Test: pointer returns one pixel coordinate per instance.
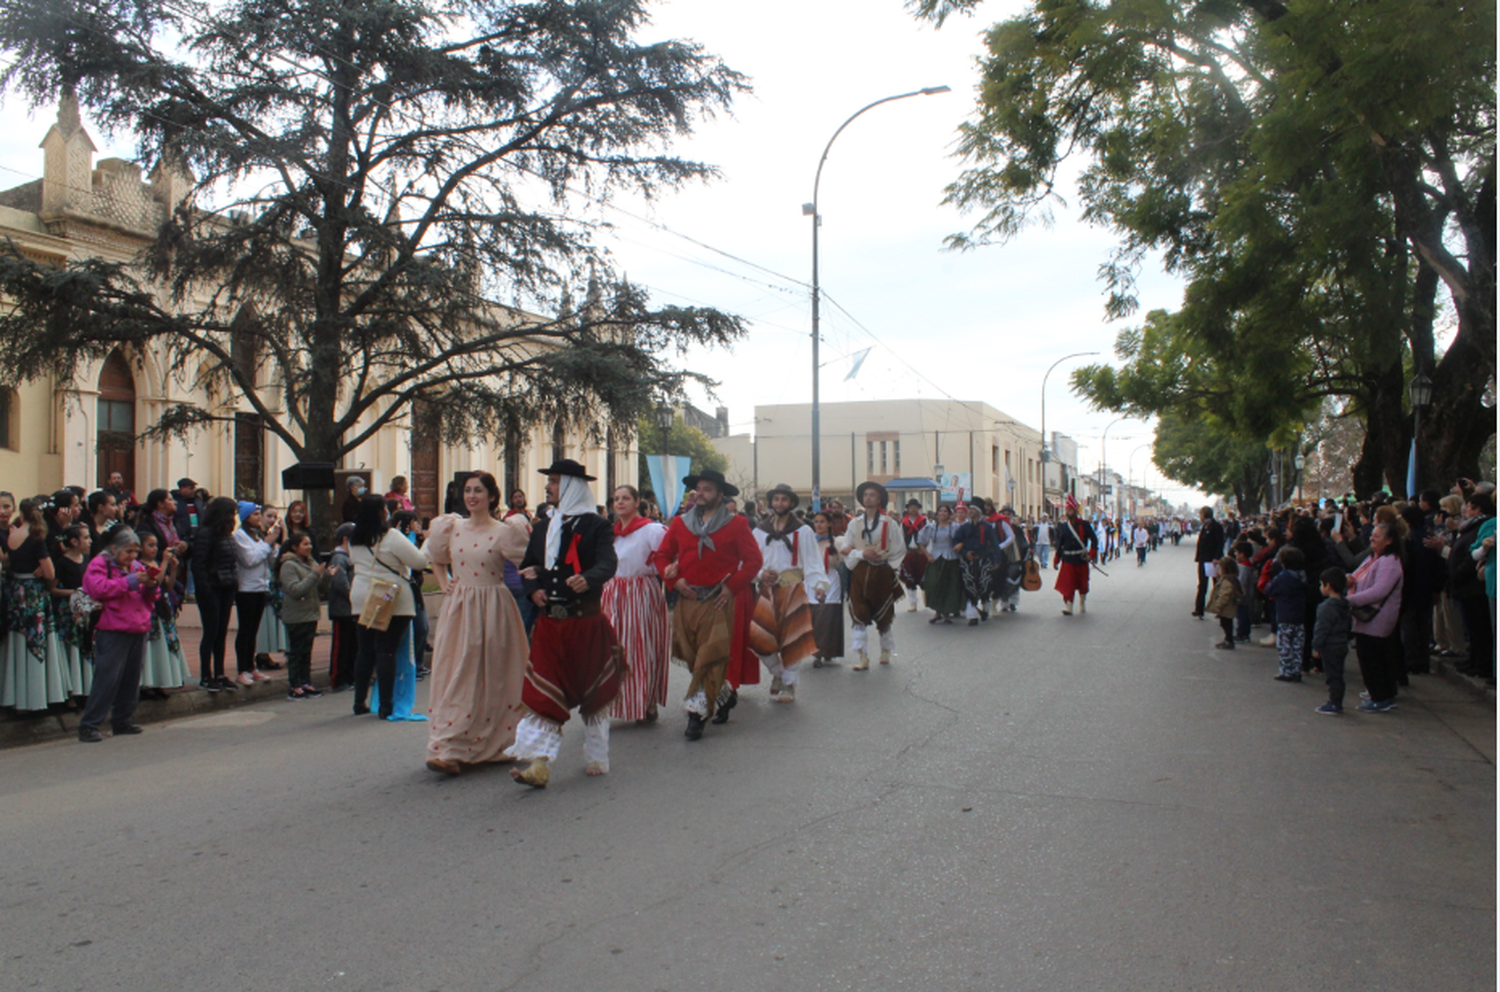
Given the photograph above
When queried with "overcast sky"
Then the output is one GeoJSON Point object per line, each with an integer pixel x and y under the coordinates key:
{"type": "Point", "coordinates": [981, 325]}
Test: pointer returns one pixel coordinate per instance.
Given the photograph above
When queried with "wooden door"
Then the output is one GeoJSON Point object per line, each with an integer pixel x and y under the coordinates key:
{"type": "Point", "coordinates": [249, 457]}
{"type": "Point", "coordinates": [426, 438]}
{"type": "Point", "coordinates": [115, 427]}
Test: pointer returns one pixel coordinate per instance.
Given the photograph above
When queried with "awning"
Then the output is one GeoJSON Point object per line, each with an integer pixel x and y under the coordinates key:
{"type": "Point", "coordinates": [912, 485]}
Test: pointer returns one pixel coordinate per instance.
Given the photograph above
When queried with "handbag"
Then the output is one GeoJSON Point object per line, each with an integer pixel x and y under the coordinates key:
{"type": "Point", "coordinates": [1366, 613]}
{"type": "Point", "coordinates": [380, 602]}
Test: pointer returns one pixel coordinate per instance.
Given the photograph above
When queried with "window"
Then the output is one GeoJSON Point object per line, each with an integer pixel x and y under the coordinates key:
{"type": "Point", "coordinates": [995, 459]}
{"type": "Point", "coordinates": [8, 411]}
{"type": "Point", "coordinates": [869, 457]}
{"type": "Point", "coordinates": [884, 470]}
{"type": "Point", "coordinates": [896, 456]}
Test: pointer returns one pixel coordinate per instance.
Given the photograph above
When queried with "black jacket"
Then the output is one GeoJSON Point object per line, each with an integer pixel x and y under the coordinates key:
{"type": "Point", "coordinates": [1210, 541]}
{"type": "Point", "coordinates": [214, 562]}
{"type": "Point", "coordinates": [591, 539]}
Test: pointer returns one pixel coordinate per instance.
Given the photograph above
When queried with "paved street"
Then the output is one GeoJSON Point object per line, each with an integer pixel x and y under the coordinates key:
{"type": "Point", "coordinates": [1042, 803]}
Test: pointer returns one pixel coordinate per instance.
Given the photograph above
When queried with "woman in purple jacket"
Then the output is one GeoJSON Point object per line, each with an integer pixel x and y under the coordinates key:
{"type": "Point", "coordinates": [127, 590]}
{"type": "Point", "coordinates": [1377, 583]}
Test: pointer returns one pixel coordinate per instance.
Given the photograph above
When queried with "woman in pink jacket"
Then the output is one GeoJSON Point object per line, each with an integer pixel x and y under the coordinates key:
{"type": "Point", "coordinates": [126, 590]}
{"type": "Point", "coordinates": [1377, 583]}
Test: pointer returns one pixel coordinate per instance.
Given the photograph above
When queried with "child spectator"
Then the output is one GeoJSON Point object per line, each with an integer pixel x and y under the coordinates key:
{"type": "Point", "coordinates": [1244, 551]}
{"type": "Point", "coordinates": [1288, 592]}
{"type": "Point", "coordinates": [1224, 601]}
{"type": "Point", "coordinates": [1330, 643]}
{"type": "Point", "coordinates": [301, 578]}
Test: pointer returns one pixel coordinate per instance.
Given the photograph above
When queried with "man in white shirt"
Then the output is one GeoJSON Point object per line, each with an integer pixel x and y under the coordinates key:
{"type": "Point", "coordinates": [781, 630]}
{"type": "Point", "coordinates": [1141, 537]}
{"type": "Point", "coordinates": [874, 545]}
{"type": "Point", "coordinates": [1044, 540]}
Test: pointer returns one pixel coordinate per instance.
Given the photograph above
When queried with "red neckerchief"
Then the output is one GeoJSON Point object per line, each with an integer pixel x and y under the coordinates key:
{"type": "Point", "coordinates": [636, 523]}
{"type": "Point", "coordinates": [572, 556]}
{"type": "Point", "coordinates": [913, 524]}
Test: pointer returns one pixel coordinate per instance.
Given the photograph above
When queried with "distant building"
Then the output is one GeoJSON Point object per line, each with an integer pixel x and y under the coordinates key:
{"type": "Point", "coordinates": [906, 441]}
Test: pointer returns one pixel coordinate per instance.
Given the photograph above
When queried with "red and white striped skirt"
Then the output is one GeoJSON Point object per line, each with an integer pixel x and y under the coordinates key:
{"type": "Point", "coordinates": [638, 610]}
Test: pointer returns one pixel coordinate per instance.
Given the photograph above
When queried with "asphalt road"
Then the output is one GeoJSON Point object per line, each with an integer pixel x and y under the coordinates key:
{"type": "Point", "coordinates": [1049, 803]}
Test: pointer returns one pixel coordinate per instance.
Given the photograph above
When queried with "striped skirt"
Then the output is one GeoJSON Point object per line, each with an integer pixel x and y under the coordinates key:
{"type": "Point", "coordinates": [637, 609]}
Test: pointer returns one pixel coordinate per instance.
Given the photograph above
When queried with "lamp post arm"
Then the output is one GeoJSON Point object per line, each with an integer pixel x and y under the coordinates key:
{"type": "Point", "coordinates": [818, 177]}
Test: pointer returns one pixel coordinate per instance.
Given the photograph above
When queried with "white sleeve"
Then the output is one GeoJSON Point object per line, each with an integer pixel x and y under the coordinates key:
{"type": "Point", "coordinates": [814, 576]}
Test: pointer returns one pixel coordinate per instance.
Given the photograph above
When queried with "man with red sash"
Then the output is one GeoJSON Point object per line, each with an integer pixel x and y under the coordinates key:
{"type": "Point", "coordinates": [711, 559]}
{"type": "Point", "coordinates": [874, 547]}
{"type": "Point", "coordinates": [781, 631]}
{"type": "Point", "coordinates": [1077, 546]}
{"type": "Point", "coordinates": [914, 564]}
{"type": "Point", "coordinates": [576, 660]}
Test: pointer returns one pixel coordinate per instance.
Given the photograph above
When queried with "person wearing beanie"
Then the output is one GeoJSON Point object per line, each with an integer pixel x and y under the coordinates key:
{"type": "Point", "coordinates": [255, 545]}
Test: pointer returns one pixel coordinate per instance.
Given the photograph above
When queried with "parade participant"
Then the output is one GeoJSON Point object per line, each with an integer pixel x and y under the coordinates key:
{"type": "Point", "coordinates": [914, 564]}
{"type": "Point", "coordinates": [576, 660]}
{"type": "Point", "coordinates": [1077, 547]}
{"type": "Point", "coordinates": [479, 644]}
{"type": "Point", "coordinates": [781, 631]}
{"type": "Point", "coordinates": [1014, 548]}
{"type": "Point", "coordinates": [1043, 540]}
{"type": "Point", "coordinates": [873, 542]}
{"type": "Point", "coordinates": [711, 559]}
{"type": "Point", "coordinates": [943, 581]}
{"type": "Point", "coordinates": [828, 614]}
{"type": "Point", "coordinates": [1141, 537]}
{"type": "Point", "coordinates": [978, 548]}
{"type": "Point", "coordinates": [517, 507]}
{"type": "Point", "coordinates": [634, 602]}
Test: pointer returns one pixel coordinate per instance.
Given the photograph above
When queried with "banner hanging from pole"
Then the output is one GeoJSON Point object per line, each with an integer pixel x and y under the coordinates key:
{"type": "Point", "coordinates": [667, 472]}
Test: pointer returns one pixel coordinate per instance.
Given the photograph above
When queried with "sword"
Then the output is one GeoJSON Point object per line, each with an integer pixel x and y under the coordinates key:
{"type": "Point", "coordinates": [1098, 569]}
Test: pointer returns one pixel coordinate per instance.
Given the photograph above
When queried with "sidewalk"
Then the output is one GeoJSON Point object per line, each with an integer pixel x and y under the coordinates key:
{"type": "Point", "coordinates": [20, 729]}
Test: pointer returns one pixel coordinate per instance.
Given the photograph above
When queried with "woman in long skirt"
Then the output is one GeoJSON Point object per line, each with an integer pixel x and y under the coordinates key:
{"type": "Point", "coordinates": [828, 615]}
{"type": "Point", "coordinates": [942, 581]}
{"type": "Point", "coordinates": [479, 648]}
{"type": "Point", "coordinates": [162, 665]}
{"type": "Point", "coordinates": [74, 632]}
{"type": "Point", "coordinates": [35, 673]}
{"type": "Point", "coordinates": [637, 609]}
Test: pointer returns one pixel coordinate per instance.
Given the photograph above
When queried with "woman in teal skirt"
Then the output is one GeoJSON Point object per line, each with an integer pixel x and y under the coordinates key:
{"type": "Point", "coordinates": [162, 664]}
{"type": "Point", "coordinates": [35, 671]}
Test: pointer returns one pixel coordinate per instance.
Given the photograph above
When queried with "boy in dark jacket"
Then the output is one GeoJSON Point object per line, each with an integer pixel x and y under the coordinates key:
{"type": "Point", "coordinates": [1330, 643]}
{"type": "Point", "coordinates": [1288, 592]}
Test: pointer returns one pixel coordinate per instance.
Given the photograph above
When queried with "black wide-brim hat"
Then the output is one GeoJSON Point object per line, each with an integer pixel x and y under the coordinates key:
{"type": "Point", "coordinates": [859, 494]}
{"type": "Point", "coordinates": [567, 466]}
{"type": "Point", "coordinates": [717, 478]}
{"type": "Point", "coordinates": [784, 490]}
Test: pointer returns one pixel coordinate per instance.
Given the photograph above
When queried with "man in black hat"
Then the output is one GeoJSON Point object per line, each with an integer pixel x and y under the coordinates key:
{"type": "Point", "coordinates": [874, 545]}
{"type": "Point", "coordinates": [576, 660]}
{"type": "Point", "coordinates": [711, 559]}
{"type": "Point", "coordinates": [185, 517]}
{"type": "Point", "coordinates": [781, 631]}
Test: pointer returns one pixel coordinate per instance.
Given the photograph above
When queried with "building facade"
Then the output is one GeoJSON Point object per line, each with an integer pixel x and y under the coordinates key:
{"type": "Point", "coordinates": [51, 437]}
{"type": "Point", "coordinates": [886, 440]}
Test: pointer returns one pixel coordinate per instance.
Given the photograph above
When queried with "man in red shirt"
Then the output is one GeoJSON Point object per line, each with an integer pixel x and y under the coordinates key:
{"type": "Point", "coordinates": [711, 559]}
{"type": "Point", "coordinates": [914, 565]}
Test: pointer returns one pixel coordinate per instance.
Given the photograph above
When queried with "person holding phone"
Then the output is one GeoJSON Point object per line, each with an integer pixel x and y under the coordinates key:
{"type": "Point", "coordinates": [127, 592]}
{"type": "Point", "coordinates": [255, 546]}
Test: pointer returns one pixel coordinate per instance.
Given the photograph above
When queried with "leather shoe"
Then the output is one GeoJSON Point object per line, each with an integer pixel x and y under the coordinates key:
{"type": "Point", "coordinates": [90, 735]}
{"type": "Point", "coordinates": [694, 729]}
{"type": "Point", "coordinates": [721, 716]}
{"type": "Point", "coordinates": [128, 728]}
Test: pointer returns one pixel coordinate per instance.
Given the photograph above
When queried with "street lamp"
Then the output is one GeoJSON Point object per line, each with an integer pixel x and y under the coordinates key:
{"type": "Point", "coordinates": [811, 210]}
{"type": "Point", "coordinates": [1103, 449]}
{"type": "Point", "coordinates": [1421, 396]}
{"type": "Point", "coordinates": [1046, 454]}
{"type": "Point", "coordinates": [1300, 462]}
{"type": "Point", "coordinates": [664, 424]}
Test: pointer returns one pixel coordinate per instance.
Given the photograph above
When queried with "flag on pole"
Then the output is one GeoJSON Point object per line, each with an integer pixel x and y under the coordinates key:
{"type": "Point", "coordinates": [859, 359]}
{"type": "Point", "coordinates": [666, 478]}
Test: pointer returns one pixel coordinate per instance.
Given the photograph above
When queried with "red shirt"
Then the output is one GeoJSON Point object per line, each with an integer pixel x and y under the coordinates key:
{"type": "Point", "coordinates": [735, 556]}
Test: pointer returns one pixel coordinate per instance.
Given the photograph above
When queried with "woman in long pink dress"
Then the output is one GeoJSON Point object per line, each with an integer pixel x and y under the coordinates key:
{"type": "Point", "coordinates": [637, 609]}
{"type": "Point", "coordinates": [479, 649]}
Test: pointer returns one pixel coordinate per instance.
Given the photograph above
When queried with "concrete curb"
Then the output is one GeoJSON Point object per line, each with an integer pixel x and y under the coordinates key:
{"type": "Point", "coordinates": [21, 729]}
{"type": "Point", "coordinates": [1479, 687]}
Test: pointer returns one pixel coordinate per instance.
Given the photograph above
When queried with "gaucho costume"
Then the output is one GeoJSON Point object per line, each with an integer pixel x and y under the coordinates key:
{"type": "Point", "coordinates": [873, 585]}
{"type": "Point", "coordinates": [914, 565]}
{"type": "Point", "coordinates": [712, 552]}
{"type": "Point", "coordinates": [576, 660]}
{"type": "Point", "coordinates": [781, 628]}
{"type": "Point", "coordinates": [1076, 547]}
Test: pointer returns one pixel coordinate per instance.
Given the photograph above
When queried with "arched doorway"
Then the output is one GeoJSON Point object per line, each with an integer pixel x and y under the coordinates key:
{"type": "Point", "coordinates": [115, 427]}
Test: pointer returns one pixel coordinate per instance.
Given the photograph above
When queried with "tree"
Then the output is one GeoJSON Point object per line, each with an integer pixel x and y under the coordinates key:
{"type": "Point", "coordinates": [1315, 172]}
{"type": "Point", "coordinates": [681, 440]}
{"type": "Point", "coordinates": [370, 178]}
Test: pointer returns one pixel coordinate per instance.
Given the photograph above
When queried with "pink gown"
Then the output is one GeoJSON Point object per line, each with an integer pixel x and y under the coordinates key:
{"type": "Point", "coordinates": [479, 649]}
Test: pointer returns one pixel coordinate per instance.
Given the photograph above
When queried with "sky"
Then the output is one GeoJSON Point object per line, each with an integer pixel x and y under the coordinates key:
{"type": "Point", "coordinates": [980, 326]}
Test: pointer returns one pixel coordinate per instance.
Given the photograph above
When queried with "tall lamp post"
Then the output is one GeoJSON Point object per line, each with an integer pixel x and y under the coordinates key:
{"type": "Point", "coordinates": [811, 210]}
{"type": "Point", "coordinates": [1103, 452]}
{"type": "Point", "coordinates": [1421, 396]}
{"type": "Point", "coordinates": [1300, 462]}
{"type": "Point", "coordinates": [1046, 454]}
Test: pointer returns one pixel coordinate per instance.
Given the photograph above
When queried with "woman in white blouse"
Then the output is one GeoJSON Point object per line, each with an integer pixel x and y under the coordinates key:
{"type": "Point", "coordinates": [377, 552]}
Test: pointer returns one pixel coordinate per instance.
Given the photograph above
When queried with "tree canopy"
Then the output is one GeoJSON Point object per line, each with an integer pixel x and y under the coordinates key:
{"type": "Point", "coordinates": [1315, 172]}
{"type": "Point", "coordinates": [385, 194]}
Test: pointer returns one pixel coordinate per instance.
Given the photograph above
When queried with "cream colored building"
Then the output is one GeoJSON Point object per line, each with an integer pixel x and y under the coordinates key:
{"type": "Point", "coordinates": [51, 437]}
{"type": "Point", "coordinates": [882, 440]}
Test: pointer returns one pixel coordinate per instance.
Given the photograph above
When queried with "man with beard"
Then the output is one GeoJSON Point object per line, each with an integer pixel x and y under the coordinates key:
{"type": "Point", "coordinates": [1077, 547]}
{"type": "Point", "coordinates": [874, 545]}
{"type": "Point", "coordinates": [710, 559]}
{"type": "Point", "coordinates": [576, 661]}
{"type": "Point", "coordinates": [791, 568]}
